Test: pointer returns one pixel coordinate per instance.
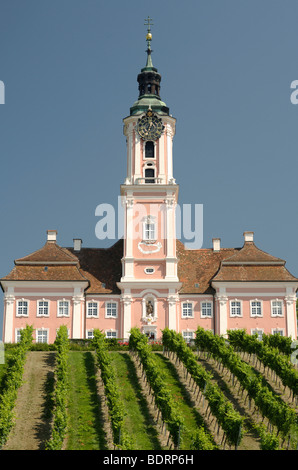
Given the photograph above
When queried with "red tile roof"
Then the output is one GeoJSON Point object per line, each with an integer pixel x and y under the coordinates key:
{"type": "Point", "coordinates": [44, 273]}
{"type": "Point", "coordinates": [251, 273]}
{"type": "Point", "coordinates": [103, 269]}
{"type": "Point", "coordinates": [199, 267]}
{"type": "Point", "coordinates": [253, 264]}
{"type": "Point", "coordinates": [50, 253]}
{"type": "Point", "coordinates": [249, 253]}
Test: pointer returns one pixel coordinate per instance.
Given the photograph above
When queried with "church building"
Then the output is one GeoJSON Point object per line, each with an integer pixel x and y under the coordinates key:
{"type": "Point", "coordinates": [148, 279]}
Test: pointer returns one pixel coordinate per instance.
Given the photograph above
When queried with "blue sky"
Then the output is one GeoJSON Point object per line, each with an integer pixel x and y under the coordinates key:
{"type": "Point", "coordinates": [70, 69]}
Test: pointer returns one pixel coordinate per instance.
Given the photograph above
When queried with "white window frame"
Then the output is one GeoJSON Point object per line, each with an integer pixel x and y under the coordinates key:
{"type": "Point", "coordinates": [18, 306]}
{"type": "Point", "coordinates": [149, 231]}
{"type": "Point", "coordinates": [38, 314]}
{"type": "Point", "coordinates": [258, 331]}
{"type": "Point", "coordinates": [150, 269]}
{"type": "Point", "coordinates": [65, 315]}
{"type": "Point", "coordinates": [42, 331]}
{"type": "Point", "coordinates": [238, 314]}
{"type": "Point", "coordinates": [187, 314]}
{"type": "Point", "coordinates": [144, 152]}
{"type": "Point", "coordinates": [277, 331]}
{"type": "Point", "coordinates": [17, 334]}
{"type": "Point", "coordinates": [150, 331]}
{"type": "Point", "coordinates": [96, 315]}
{"type": "Point", "coordinates": [256, 315]}
{"type": "Point", "coordinates": [106, 309]}
{"type": "Point", "coordinates": [272, 308]}
{"type": "Point", "coordinates": [113, 333]}
{"type": "Point", "coordinates": [91, 333]}
{"type": "Point", "coordinates": [188, 333]}
{"type": "Point", "coordinates": [211, 309]}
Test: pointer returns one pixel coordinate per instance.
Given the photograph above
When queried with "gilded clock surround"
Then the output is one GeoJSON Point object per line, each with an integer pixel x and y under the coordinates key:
{"type": "Point", "coordinates": [150, 126]}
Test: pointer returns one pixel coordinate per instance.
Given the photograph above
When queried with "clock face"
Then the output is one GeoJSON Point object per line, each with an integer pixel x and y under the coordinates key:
{"type": "Point", "coordinates": [150, 127]}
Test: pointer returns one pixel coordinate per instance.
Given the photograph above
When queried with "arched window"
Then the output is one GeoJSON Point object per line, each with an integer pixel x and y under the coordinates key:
{"type": "Point", "coordinates": [149, 175]}
{"type": "Point", "coordinates": [149, 149]}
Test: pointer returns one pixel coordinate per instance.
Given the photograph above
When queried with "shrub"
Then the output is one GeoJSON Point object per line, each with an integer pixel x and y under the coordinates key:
{"type": "Point", "coordinates": [12, 381]}
{"type": "Point", "coordinates": [60, 391]}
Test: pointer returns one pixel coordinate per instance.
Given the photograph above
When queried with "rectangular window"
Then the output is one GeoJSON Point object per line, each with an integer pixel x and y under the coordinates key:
{"type": "Point", "coordinates": [18, 335]}
{"type": "Point", "coordinates": [278, 332]}
{"type": "Point", "coordinates": [22, 308]}
{"type": "Point", "coordinates": [111, 309]}
{"type": "Point", "coordinates": [276, 308]}
{"type": "Point", "coordinates": [259, 334]}
{"type": "Point", "coordinates": [188, 336]}
{"type": "Point", "coordinates": [63, 308]}
{"type": "Point", "coordinates": [43, 308]}
{"type": "Point", "coordinates": [149, 231]}
{"type": "Point", "coordinates": [42, 336]}
{"type": "Point", "coordinates": [89, 334]}
{"type": "Point", "coordinates": [206, 309]}
{"type": "Point", "coordinates": [256, 308]}
{"type": "Point", "coordinates": [235, 308]}
{"type": "Point", "coordinates": [187, 310]}
{"type": "Point", "coordinates": [111, 334]}
{"type": "Point", "coordinates": [92, 309]}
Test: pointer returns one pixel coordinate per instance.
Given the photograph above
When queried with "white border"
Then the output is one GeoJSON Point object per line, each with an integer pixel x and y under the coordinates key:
{"type": "Point", "coordinates": [37, 308]}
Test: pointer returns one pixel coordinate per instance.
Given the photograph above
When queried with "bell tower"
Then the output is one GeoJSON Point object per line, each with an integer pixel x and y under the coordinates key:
{"type": "Point", "coordinates": [149, 283]}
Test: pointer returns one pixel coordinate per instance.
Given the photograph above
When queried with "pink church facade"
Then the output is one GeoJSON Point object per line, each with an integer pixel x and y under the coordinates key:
{"type": "Point", "coordinates": [148, 279]}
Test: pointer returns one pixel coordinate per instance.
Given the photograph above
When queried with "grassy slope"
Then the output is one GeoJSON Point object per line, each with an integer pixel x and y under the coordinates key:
{"type": "Point", "coordinates": [138, 420]}
{"type": "Point", "coordinates": [192, 419]}
{"type": "Point", "coordinates": [85, 426]}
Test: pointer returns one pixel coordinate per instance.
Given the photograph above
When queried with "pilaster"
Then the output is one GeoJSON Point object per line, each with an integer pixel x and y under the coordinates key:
{"type": "Point", "coordinates": [223, 313]}
{"type": "Point", "coordinates": [9, 300]}
{"type": "Point", "coordinates": [291, 315]}
{"type": "Point", "coordinates": [77, 317]}
{"type": "Point", "coordinates": [126, 301]}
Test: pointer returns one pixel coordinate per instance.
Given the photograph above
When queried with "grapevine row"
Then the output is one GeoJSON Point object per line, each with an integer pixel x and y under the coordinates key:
{"type": "Point", "coordinates": [227, 417]}
{"type": "Point", "coordinates": [121, 438]}
{"type": "Point", "coordinates": [269, 356]}
{"type": "Point", "coordinates": [270, 406]}
{"type": "Point", "coordinates": [11, 382]}
{"type": "Point", "coordinates": [283, 343]}
{"type": "Point", "coordinates": [60, 391]}
{"type": "Point", "coordinates": [163, 398]}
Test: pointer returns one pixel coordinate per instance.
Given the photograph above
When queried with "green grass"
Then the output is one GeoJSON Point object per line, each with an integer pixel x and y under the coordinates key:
{"type": "Point", "coordinates": [138, 421]}
{"type": "Point", "coordinates": [85, 429]}
{"type": "Point", "coordinates": [192, 418]}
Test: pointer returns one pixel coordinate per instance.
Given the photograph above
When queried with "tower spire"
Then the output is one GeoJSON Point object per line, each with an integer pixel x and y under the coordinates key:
{"type": "Point", "coordinates": [149, 82]}
{"type": "Point", "coordinates": [149, 64]}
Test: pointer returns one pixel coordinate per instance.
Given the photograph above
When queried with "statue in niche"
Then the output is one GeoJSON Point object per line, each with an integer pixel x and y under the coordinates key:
{"type": "Point", "coordinates": [149, 310]}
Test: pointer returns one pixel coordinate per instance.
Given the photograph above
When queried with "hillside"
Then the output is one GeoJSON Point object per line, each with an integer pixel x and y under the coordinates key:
{"type": "Point", "coordinates": [88, 417]}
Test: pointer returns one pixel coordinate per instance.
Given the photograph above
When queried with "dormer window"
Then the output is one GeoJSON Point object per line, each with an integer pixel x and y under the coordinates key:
{"type": "Point", "coordinates": [149, 149]}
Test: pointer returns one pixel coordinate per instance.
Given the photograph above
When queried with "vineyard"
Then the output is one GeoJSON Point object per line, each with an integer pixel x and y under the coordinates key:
{"type": "Point", "coordinates": [219, 393]}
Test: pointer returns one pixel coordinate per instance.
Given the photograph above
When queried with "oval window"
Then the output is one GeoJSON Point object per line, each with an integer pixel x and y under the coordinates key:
{"type": "Point", "coordinates": [149, 270]}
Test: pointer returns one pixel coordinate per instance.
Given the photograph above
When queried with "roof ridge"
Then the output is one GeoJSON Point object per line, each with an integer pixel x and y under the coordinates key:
{"type": "Point", "coordinates": [244, 256]}
{"type": "Point", "coordinates": [65, 256]}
